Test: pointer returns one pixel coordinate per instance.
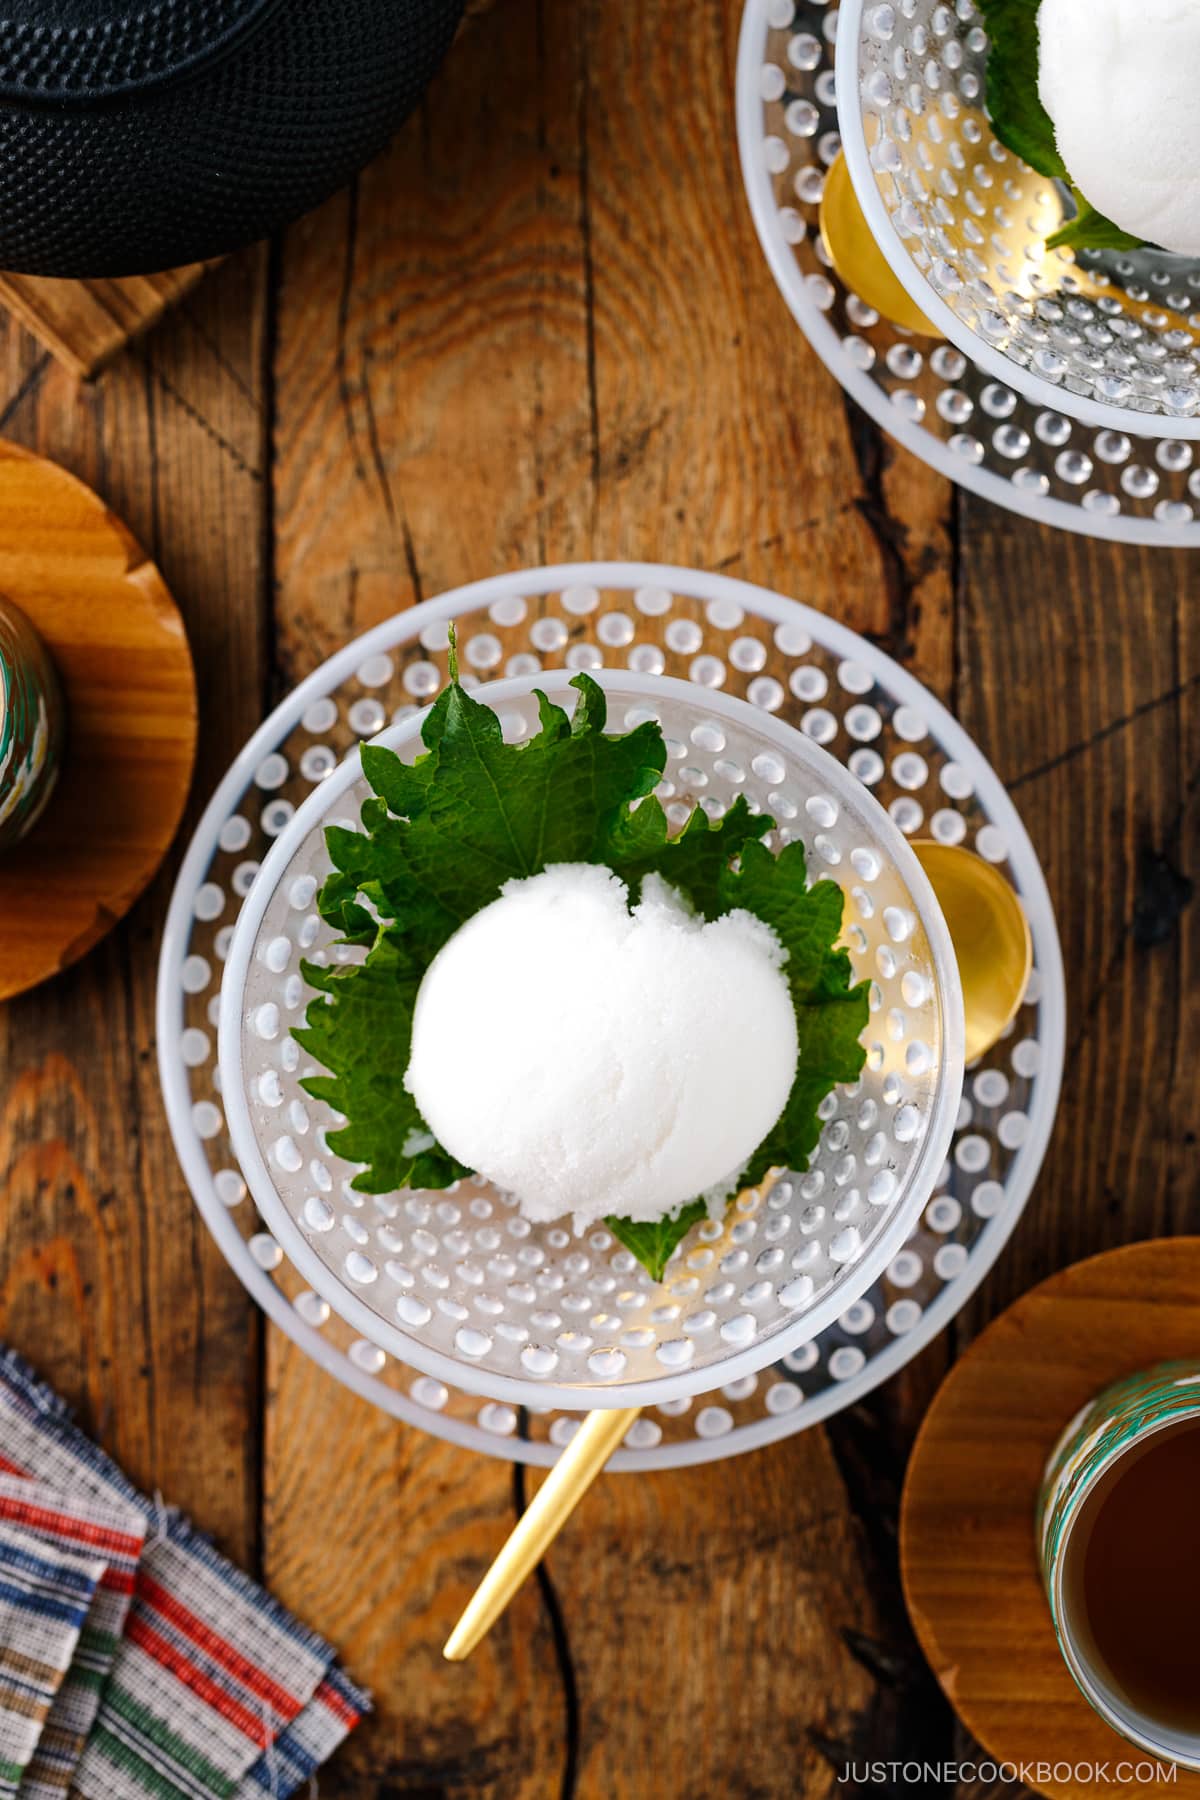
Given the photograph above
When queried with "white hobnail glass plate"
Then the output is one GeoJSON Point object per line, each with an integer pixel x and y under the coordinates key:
{"type": "Point", "coordinates": [785, 658]}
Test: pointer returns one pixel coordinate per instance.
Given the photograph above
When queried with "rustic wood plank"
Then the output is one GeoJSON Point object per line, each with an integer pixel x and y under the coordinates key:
{"type": "Point", "coordinates": [431, 328]}
{"type": "Point", "coordinates": [723, 444]}
{"type": "Point", "coordinates": [1079, 671]}
{"type": "Point", "coordinates": [514, 344]}
{"type": "Point", "coordinates": [432, 349]}
{"type": "Point", "coordinates": [86, 323]}
{"type": "Point", "coordinates": [109, 1281]}
{"type": "Point", "coordinates": [539, 329]}
{"type": "Point", "coordinates": [733, 1595]}
{"type": "Point", "coordinates": [720, 439]}
{"type": "Point", "coordinates": [1087, 706]}
{"type": "Point", "coordinates": [417, 1521]}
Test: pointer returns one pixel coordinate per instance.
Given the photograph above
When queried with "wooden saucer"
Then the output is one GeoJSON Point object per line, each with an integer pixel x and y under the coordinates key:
{"type": "Point", "coordinates": [119, 645]}
{"type": "Point", "coordinates": [966, 1528]}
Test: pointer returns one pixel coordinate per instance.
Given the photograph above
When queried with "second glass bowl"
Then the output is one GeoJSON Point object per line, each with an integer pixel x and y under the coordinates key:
{"type": "Point", "coordinates": [1109, 338]}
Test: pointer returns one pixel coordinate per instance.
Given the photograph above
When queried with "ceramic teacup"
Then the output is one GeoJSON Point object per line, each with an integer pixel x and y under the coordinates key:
{"type": "Point", "coordinates": [1120, 1556]}
{"type": "Point", "coordinates": [31, 725]}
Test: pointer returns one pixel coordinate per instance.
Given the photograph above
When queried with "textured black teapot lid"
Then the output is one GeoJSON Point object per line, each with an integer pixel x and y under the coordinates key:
{"type": "Point", "coordinates": [94, 50]}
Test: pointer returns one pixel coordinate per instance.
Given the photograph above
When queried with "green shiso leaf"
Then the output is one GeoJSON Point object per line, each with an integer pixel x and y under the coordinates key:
{"type": "Point", "coordinates": [639, 843]}
{"type": "Point", "coordinates": [1022, 123]}
{"type": "Point", "coordinates": [1090, 230]}
{"type": "Point", "coordinates": [362, 1033]}
{"type": "Point", "coordinates": [831, 1014]}
{"type": "Point", "coordinates": [1018, 117]}
{"type": "Point", "coordinates": [440, 838]}
{"type": "Point", "coordinates": [654, 1241]}
{"type": "Point", "coordinates": [444, 834]}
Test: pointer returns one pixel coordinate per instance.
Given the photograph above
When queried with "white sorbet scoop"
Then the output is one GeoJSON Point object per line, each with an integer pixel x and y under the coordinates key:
{"type": "Point", "coordinates": [590, 1060]}
{"type": "Point", "coordinates": [1121, 81]}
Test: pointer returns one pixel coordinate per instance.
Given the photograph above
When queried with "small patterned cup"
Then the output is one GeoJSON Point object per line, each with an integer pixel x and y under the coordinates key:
{"type": "Point", "coordinates": [31, 725]}
{"type": "Point", "coordinates": [1100, 1445]}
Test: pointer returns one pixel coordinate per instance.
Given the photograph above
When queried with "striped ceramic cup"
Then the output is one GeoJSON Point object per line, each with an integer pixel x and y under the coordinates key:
{"type": "Point", "coordinates": [1120, 1556]}
{"type": "Point", "coordinates": [31, 724]}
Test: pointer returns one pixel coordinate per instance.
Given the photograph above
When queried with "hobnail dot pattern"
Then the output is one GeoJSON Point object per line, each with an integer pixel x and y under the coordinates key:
{"type": "Point", "coordinates": [847, 697]}
{"type": "Point", "coordinates": [1118, 329]}
{"type": "Point", "coordinates": [462, 1271]}
{"type": "Point", "coordinates": [1033, 458]}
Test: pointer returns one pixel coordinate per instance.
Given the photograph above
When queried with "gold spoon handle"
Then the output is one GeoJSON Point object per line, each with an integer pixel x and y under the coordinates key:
{"type": "Point", "coordinates": [540, 1524]}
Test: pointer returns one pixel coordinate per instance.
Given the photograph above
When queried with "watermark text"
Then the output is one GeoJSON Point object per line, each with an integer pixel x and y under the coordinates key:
{"type": "Point", "coordinates": [1144, 1773]}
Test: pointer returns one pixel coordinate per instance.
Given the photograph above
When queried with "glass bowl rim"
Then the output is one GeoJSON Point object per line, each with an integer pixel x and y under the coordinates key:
{"type": "Point", "coordinates": [1047, 394]}
{"type": "Point", "coordinates": [408, 1348]}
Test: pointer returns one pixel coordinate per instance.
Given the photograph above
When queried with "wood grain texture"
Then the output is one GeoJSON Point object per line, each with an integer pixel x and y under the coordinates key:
{"type": "Point", "coordinates": [108, 1281]}
{"type": "Point", "coordinates": [1107, 775]}
{"type": "Point", "coordinates": [540, 328]}
{"type": "Point", "coordinates": [513, 345]}
{"type": "Point", "coordinates": [86, 323]}
{"type": "Point", "coordinates": [118, 644]}
{"type": "Point", "coordinates": [967, 1538]}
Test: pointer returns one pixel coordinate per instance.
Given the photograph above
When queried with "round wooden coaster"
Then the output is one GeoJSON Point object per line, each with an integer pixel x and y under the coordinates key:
{"type": "Point", "coordinates": [966, 1528]}
{"type": "Point", "coordinates": [119, 645]}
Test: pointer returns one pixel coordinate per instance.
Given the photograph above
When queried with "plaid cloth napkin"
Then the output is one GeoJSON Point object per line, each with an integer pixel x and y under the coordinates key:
{"type": "Point", "coordinates": [88, 1528]}
{"type": "Point", "coordinates": [215, 1692]}
{"type": "Point", "coordinates": [309, 1740]}
{"type": "Point", "coordinates": [45, 1594]}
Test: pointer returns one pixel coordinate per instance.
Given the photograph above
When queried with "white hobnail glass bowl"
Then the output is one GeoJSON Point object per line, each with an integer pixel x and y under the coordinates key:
{"type": "Point", "coordinates": [1108, 337]}
{"type": "Point", "coordinates": [456, 1283]}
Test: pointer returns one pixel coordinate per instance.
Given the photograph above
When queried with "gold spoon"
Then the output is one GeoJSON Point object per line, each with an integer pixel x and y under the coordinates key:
{"type": "Point", "coordinates": [856, 256]}
{"type": "Point", "coordinates": [570, 1478]}
{"type": "Point", "coordinates": [572, 1475]}
{"type": "Point", "coordinates": [994, 951]}
{"type": "Point", "coordinates": [993, 946]}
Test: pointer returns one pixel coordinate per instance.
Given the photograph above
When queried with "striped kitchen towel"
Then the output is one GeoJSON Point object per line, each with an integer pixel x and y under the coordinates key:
{"type": "Point", "coordinates": [310, 1740]}
{"type": "Point", "coordinates": [45, 1594]}
{"type": "Point", "coordinates": [88, 1528]}
{"type": "Point", "coordinates": [214, 1684]}
{"type": "Point", "coordinates": [210, 1671]}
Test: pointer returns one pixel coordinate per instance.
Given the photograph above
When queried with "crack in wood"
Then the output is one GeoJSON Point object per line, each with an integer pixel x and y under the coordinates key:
{"type": "Point", "coordinates": [410, 558]}
{"type": "Point", "coordinates": [186, 311]}
{"type": "Point", "coordinates": [376, 449]}
{"type": "Point", "coordinates": [1182, 894]}
{"type": "Point", "coordinates": [563, 1658]}
{"type": "Point", "coordinates": [872, 455]}
{"type": "Point", "coordinates": [345, 392]}
{"type": "Point", "coordinates": [778, 538]}
{"type": "Point", "coordinates": [589, 268]}
{"type": "Point", "coordinates": [562, 1652]}
{"type": "Point", "coordinates": [27, 389]}
{"type": "Point", "coordinates": [194, 414]}
{"type": "Point", "coordinates": [908, 1717]}
{"type": "Point", "coordinates": [1146, 707]}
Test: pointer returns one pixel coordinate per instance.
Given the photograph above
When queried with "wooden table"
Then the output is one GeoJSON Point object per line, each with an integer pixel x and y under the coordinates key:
{"type": "Point", "coordinates": [541, 329]}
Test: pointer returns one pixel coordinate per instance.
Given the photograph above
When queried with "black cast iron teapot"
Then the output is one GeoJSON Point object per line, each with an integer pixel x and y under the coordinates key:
{"type": "Point", "coordinates": [139, 134]}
